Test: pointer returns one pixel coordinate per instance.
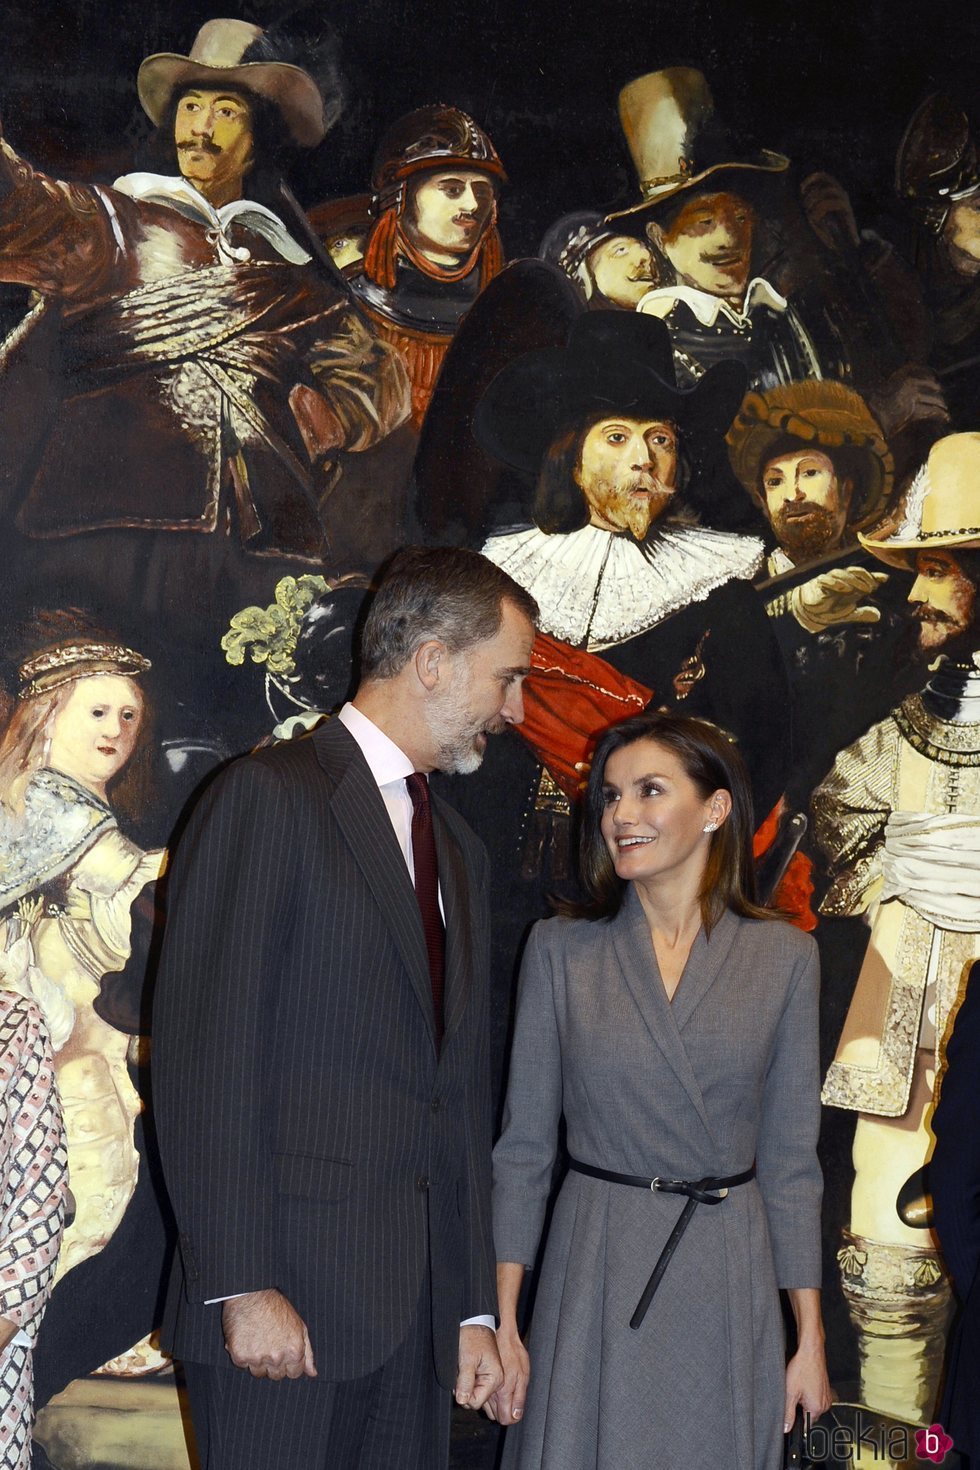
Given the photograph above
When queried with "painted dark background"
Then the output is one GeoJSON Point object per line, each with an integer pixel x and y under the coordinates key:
{"type": "Point", "coordinates": [831, 84]}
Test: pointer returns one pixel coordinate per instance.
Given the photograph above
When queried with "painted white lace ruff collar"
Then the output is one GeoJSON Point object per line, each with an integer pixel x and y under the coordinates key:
{"type": "Point", "coordinates": [595, 589]}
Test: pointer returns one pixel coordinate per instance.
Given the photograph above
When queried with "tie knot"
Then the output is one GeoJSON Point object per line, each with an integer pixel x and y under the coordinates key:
{"type": "Point", "coordinates": [418, 790]}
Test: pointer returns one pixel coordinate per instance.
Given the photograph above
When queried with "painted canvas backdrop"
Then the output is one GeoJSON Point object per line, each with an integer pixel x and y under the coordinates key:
{"type": "Point", "coordinates": [832, 90]}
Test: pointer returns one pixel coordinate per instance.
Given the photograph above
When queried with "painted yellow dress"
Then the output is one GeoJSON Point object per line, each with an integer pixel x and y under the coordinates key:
{"type": "Point", "coordinates": [68, 878]}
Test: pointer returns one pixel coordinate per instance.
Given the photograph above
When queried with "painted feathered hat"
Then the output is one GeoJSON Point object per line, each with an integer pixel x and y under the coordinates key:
{"type": "Point", "coordinates": [677, 140]}
{"type": "Point", "coordinates": [234, 53]}
{"type": "Point", "coordinates": [820, 414]}
{"type": "Point", "coordinates": [942, 506]}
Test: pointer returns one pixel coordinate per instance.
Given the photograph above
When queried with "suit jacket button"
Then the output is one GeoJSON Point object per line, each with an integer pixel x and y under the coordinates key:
{"type": "Point", "coordinates": [436, 1104]}
{"type": "Point", "coordinates": [422, 1183]}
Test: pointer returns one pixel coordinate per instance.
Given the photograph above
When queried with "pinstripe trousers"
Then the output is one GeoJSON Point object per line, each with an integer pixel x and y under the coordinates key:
{"type": "Point", "coordinates": [397, 1416]}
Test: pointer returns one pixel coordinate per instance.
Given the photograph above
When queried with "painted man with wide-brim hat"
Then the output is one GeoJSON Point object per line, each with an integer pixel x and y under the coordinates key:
{"type": "Point", "coordinates": [215, 376]}
{"type": "Point", "coordinates": [628, 584]}
{"type": "Point", "coordinates": [701, 188]}
{"type": "Point", "coordinates": [898, 818]}
{"type": "Point", "coordinates": [814, 460]}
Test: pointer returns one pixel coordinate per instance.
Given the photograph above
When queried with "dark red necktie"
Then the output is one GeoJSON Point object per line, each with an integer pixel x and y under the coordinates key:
{"type": "Point", "coordinates": [427, 889]}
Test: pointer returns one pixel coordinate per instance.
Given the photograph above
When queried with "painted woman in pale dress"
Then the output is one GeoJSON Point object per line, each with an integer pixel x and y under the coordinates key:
{"type": "Point", "coordinates": [68, 879]}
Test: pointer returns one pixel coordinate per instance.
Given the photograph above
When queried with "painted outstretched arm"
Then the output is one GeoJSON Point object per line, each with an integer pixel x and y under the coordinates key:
{"type": "Point", "coordinates": [55, 237]}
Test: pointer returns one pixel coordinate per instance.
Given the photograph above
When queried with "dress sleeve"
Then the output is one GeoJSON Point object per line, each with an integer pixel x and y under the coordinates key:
{"type": "Point", "coordinates": [787, 1167]}
{"type": "Point", "coordinates": [34, 1167]}
{"type": "Point", "coordinates": [524, 1157]}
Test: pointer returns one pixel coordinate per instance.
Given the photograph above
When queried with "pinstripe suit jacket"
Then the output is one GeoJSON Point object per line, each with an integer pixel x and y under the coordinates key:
{"type": "Point", "coordinates": [311, 1138]}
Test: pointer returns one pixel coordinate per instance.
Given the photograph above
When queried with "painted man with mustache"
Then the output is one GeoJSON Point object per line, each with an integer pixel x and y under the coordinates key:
{"type": "Point", "coordinates": [701, 188]}
{"type": "Point", "coordinates": [898, 819]}
{"type": "Point", "coordinates": [433, 243]}
{"type": "Point", "coordinates": [638, 601]}
{"type": "Point", "coordinates": [813, 459]}
{"type": "Point", "coordinates": [213, 378]}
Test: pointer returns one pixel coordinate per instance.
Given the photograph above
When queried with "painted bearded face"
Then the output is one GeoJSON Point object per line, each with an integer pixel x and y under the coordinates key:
{"type": "Point", "coordinates": [806, 502]}
{"type": "Point", "coordinates": [943, 599]}
{"type": "Point", "coordinates": [627, 471]}
{"type": "Point", "coordinates": [709, 244]}
{"type": "Point", "coordinates": [623, 270]}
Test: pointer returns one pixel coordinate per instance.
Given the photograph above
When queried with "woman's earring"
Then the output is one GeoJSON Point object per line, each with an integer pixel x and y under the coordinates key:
{"type": "Point", "coordinates": [710, 827]}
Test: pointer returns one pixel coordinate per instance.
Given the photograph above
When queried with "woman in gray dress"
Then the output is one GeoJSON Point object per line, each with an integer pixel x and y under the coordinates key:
{"type": "Point", "coordinates": [673, 1023]}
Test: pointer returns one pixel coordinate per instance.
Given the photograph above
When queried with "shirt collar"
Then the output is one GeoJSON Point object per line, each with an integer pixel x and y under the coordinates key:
{"type": "Point", "coordinates": [707, 308]}
{"type": "Point", "coordinates": [387, 761]}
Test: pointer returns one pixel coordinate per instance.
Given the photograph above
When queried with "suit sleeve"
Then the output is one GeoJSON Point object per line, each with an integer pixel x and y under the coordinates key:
{"type": "Point", "coordinates": [481, 1292]}
{"type": "Point", "coordinates": [229, 912]}
{"type": "Point", "coordinates": [787, 1167]}
{"type": "Point", "coordinates": [523, 1161]}
{"type": "Point", "coordinates": [954, 1172]}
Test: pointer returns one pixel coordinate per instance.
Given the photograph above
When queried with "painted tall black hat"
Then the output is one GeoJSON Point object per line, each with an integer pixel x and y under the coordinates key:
{"type": "Point", "coordinates": [614, 362]}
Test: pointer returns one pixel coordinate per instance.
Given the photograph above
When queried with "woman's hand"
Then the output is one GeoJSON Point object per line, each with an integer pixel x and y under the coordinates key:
{"type": "Point", "coordinates": [506, 1406]}
{"type": "Point", "coordinates": [8, 1331]}
{"type": "Point", "coordinates": [807, 1384]}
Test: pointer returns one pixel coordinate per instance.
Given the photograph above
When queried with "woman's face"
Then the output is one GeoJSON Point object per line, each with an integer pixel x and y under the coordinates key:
{"type": "Point", "coordinates": [93, 734]}
{"type": "Point", "coordinates": [654, 815]}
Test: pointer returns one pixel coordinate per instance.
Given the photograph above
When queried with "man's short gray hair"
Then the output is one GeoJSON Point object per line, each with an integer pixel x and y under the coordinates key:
{"type": "Point", "coordinates": [447, 593]}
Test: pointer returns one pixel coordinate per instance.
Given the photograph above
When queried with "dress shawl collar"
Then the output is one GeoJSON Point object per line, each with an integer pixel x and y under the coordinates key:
{"type": "Point", "coordinates": [665, 1019]}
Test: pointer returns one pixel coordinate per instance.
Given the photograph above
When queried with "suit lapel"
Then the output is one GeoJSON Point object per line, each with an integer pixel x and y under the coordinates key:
{"type": "Point", "coordinates": [634, 950]}
{"type": "Point", "coordinates": [361, 815]}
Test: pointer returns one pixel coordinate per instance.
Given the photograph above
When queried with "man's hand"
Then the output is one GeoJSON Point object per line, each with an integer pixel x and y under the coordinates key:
{"type": "Point", "coordinates": [266, 1335]}
{"type": "Point", "coordinates": [836, 597]}
{"type": "Point", "coordinates": [912, 395]}
{"type": "Point", "coordinates": [479, 1374]}
{"type": "Point", "coordinates": [8, 1331]}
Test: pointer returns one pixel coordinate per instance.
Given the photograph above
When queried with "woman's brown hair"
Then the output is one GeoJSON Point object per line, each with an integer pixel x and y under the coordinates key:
{"type": "Point", "coordinates": [711, 760]}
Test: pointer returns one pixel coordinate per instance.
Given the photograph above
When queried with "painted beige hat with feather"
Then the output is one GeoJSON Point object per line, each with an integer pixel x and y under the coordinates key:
{"type": "Point", "coordinates": [942, 505]}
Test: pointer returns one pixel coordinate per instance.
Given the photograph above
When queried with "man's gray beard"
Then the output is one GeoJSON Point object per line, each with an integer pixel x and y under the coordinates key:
{"type": "Point", "coordinates": [450, 723]}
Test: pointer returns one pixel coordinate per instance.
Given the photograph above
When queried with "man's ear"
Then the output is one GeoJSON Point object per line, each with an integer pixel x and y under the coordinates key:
{"type": "Point", "coordinates": [847, 493]}
{"type": "Point", "coordinates": [431, 662]}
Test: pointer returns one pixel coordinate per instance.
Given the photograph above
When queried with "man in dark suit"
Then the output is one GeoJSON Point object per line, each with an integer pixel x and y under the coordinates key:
{"type": "Point", "coordinates": [321, 1076]}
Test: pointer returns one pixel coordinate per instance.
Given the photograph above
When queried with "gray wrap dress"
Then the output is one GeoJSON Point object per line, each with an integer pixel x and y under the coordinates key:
{"type": "Point", "coordinates": [724, 1075]}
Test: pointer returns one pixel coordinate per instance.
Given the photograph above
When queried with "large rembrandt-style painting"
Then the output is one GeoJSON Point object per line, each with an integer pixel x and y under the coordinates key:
{"type": "Point", "coordinates": [672, 310]}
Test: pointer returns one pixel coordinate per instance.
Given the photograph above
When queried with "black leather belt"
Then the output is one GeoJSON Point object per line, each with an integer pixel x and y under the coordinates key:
{"type": "Point", "coordinates": [698, 1191]}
